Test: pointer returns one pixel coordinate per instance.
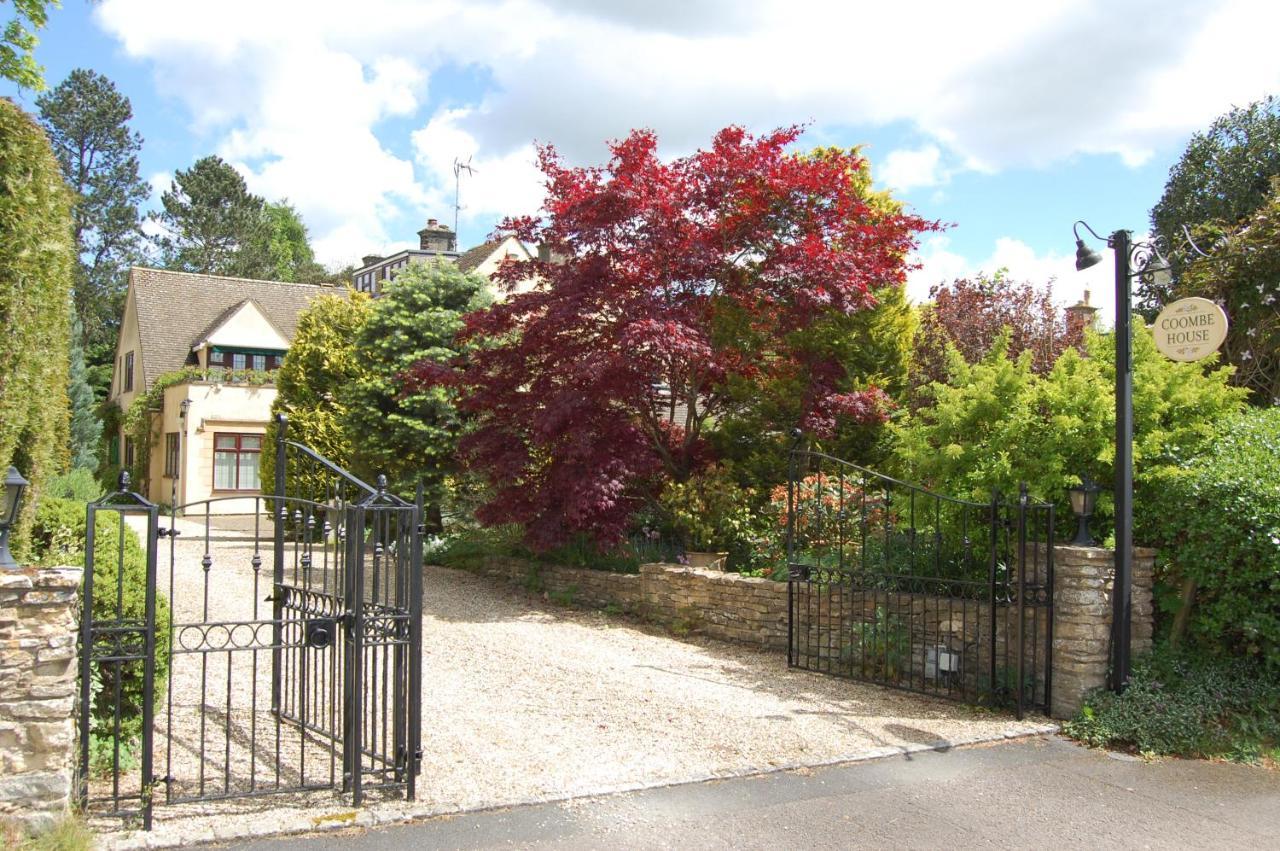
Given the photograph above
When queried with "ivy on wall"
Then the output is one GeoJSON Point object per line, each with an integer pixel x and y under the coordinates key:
{"type": "Point", "coordinates": [36, 258]}
{"type": "Point", "coordinates": [141, 420]}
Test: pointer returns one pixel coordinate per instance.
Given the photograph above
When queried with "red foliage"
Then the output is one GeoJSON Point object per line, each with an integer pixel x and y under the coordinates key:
{"type": "Point", "coordinates": [667, 281]}
{"type": "Point", "coordinates": [971, 313]}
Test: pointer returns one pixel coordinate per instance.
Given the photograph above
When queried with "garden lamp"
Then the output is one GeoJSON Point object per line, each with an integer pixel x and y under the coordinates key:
{"type": "Point", "coordinates": [9, 504]}
{"type": "Point", "coordinates": [1084, 497]}
{"type": "Point", "coordinates": [1085, 256]}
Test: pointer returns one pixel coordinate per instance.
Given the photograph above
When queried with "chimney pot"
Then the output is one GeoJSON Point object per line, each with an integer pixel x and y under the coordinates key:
{"type": "Point", "coordinates": [431, 223]}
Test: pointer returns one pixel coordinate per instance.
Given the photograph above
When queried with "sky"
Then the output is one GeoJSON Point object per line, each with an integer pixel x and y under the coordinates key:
{"type": "Point", "coordinates": [1006, 119]}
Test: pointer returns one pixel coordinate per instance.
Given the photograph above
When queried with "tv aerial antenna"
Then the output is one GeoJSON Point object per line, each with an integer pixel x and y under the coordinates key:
{"type": "Point", "coordinates": [458, 168]}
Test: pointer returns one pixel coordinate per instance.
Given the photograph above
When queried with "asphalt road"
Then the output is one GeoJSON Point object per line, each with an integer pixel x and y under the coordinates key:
{"type": "Point", "coordinates": [1042, 793]}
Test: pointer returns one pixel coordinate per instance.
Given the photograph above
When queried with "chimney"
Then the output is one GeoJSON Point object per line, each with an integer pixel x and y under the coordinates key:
{"type": "Point", "coordinates": [369, 259]}
{"type": "Point", "coordinates": [1085, 313]}
{"type": "Point", "coordinates": [437, 237]}
{"type": "Point", "coordinates": [544, 252]}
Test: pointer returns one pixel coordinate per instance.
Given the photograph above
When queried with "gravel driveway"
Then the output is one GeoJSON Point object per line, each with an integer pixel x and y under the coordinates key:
{"type": "Point", "coordinates": [524, 701]}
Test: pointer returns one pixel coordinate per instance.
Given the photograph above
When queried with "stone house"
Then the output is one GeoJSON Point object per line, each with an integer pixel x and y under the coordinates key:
{"type": "Point", "coordinates": [438, 241]}
{"type": "Point", "coordinates": [207, 429]}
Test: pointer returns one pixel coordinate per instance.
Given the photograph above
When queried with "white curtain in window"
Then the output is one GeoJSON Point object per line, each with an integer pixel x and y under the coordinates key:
{"type": "Point", "coordinates": [224, 471]}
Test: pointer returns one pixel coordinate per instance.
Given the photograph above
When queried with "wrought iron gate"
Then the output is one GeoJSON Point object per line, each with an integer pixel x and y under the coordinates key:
{"type": "Point", "coordinates": [276, 647]}
{"type": "Point", "coordinates": [891, 584]}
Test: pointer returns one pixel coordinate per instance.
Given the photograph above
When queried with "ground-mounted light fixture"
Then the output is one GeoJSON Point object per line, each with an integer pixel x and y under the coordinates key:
{"type": "Point", "coordinates": [10, 502]}
{"type": "Point", "coordinates": [1084, 497]}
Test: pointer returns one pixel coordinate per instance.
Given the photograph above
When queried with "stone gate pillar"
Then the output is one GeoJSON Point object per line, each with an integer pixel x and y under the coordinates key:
{"type": "Point", "coordinates": [1082, 619]}
{"type": "Point", "coordinates": [38, 616]}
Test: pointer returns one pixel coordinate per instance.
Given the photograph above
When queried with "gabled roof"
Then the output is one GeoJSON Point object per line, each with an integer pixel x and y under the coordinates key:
{"type": "Point", "coordinates": [210, 332]}
{"type": "Point", "coordinates": [471, 259]}
{"type": "Point", "coordinates": [474, 258]}
{"type": "Point", "coordinates": [176, 310]}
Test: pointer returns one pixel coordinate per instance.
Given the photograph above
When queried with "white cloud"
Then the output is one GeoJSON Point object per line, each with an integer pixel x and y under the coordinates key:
{"type": "Point", "coordinates": [905, 169]}
{"type": "Point", "coordinates": [940, 264]}
{"type": "Point", "coordinates": [497, 185]}
{"type": "Point", "coordinates": [295, 90]}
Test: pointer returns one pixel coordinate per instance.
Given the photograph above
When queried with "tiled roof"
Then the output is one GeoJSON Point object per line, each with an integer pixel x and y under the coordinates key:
{"type": "Point", "coordinates": [470, 259]}
{"type": "Point", "coordinates": [176, 308]}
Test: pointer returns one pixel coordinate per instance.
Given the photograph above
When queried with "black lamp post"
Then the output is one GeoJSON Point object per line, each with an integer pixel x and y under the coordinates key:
{"type": "Point", "coordinates": [1084, 497]}
{"type": "Point", "coordinates": [11, 501]}
{"type": "Point", "coordinates": [1142, 260]}
{"type": "Point", "coordinates": [1127, 255]}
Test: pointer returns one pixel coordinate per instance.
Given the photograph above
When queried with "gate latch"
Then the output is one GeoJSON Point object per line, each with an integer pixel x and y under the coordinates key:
{"type": "Point", "coordinates": [319, 632]}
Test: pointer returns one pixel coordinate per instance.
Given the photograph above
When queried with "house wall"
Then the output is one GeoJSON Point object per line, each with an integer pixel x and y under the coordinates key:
{"type": "Point", "coordinates": [215, 407]}
{"type": "Point", "coordinates": [489, 267]}
{"type": "Point", "coordinates": [127, 342]}
{"type": "Point", "coordinates": [247, 328]}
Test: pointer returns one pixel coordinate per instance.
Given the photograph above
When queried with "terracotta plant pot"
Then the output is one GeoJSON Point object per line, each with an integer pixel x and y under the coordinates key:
{"type": "Point", "coordinates": [714, 561]}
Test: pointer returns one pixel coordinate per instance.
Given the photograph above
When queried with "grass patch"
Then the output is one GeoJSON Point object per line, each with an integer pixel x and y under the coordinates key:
{"type": "Point", "coordinates": [67, 833]}
{"type": "Point", "coordinates": [1177, 705]}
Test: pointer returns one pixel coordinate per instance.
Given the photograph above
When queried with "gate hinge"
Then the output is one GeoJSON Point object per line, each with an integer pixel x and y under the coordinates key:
{"type": "Point", "coordinates": [173, 533]}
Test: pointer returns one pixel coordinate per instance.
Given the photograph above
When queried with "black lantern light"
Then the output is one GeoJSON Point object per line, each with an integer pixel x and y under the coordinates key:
{"type": "Point", "coordinates": [1084, 497]}
{"type": "Point", "coordinates": [14, 484]}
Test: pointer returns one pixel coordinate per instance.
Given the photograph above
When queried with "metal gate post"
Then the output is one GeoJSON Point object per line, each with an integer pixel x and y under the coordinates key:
{"type": "Point", "coordinates": [414, 707]}
{"type": "Point", "coordinates": [1048, 590]}
{"type": "Point", "coordinates": [991, 586]}
{"type": "Point", "coordinates": [149, 667]}
{"type": "Point", "coordinates": [1022, 594]}
{"type": "Point", "coordinates": [353, 679]}
{"type": "Point", "coordinates": [86, 656]}
{"type": "Point", "coordinates": [278, 516]}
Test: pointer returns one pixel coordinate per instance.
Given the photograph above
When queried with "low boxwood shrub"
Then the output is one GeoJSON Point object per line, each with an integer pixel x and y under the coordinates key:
{"type": "Point", "coordinates": [1183, 705]}
{"type": "Point", "coordinates": [1216, 518]}
{"type": "Point", "coordinates": [58, 537]}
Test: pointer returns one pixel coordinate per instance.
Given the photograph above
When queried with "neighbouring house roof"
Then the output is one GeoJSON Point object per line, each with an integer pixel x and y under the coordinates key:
{"type": "Point", "coordinates": [177, 310]}
{"type": "Point", "coordinates": [470, 260]}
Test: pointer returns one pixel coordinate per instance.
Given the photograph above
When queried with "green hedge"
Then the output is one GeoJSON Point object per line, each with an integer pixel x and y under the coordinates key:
{"type": "Point", "coordinates": [36, 259]}
{"type": "Point", "coordinates": [1216, 518]}
{"type": "Point", "coordinates": [58, 536]}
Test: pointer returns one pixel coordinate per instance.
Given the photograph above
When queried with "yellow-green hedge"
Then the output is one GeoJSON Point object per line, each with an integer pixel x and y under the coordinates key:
{"type": "Point", "coordinates": [37, 254]}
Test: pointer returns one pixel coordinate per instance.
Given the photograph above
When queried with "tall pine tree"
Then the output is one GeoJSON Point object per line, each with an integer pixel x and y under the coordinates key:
{"type": "Point", "coordinates": [87, 121]}
{"type": "Point", "coordinates": [86, 428]}
{"type": "Point", "coordinates": [213, 223]}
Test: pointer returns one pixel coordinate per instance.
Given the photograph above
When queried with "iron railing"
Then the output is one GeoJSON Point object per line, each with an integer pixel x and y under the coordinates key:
{"type": "Point", "coordinates": [893, 584]}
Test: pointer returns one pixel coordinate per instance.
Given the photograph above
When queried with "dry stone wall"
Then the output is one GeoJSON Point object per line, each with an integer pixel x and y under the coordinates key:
{"type": "Point", "coordinates": [728, 606]}
{"type": "Point", "coordinates": [37, 690]}
{"type": "Point", "coordinates": [753, 611]}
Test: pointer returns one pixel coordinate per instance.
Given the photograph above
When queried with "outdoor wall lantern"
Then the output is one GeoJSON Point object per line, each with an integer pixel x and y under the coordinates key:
{"type": "Point", "coordinates": [14, 484]}
{"type": "Point", "coordinates": [1084, 497]}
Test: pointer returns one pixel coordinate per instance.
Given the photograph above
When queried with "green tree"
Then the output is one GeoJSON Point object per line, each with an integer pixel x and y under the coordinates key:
{"type": "Point", "coordinates": [18, 43]}
{"type": "Point", "coordinates": [213, 224]}
{"type": "Point", "coordinates": [874, 348]}
{"type": "Point", "coordinates": [1224, 175]}
{"type": "Point", "coordinates": [86, 428]}
{"type": "Point", "coordinates": [87, 120]}
{"type": "Point", "coordinates": [323, 359]}
{"type": "Point", "coordinates": [411, 435]}
{"type": "Point", "coordinates": [996, 423]}
{"type": "Point", "coordinates": [36, 251]}
{"type": "Point", "coordinates": [1243, 275]}
{"type": "Point", "coordinates": [288, 249]}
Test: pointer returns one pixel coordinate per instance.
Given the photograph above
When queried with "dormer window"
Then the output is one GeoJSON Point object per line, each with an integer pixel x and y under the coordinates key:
{"type": "Point", "coordinates": [263, 360]}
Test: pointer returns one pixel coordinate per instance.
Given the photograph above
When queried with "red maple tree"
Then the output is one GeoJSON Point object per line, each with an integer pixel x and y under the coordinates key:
{"type": "Point", "coordinates": [666, 282]}
{"type": "Point", "coordinates": [970, 313]}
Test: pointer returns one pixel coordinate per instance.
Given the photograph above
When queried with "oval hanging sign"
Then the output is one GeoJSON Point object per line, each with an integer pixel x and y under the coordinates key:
{"type": "Point", "coordinates": [1190, 329]}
